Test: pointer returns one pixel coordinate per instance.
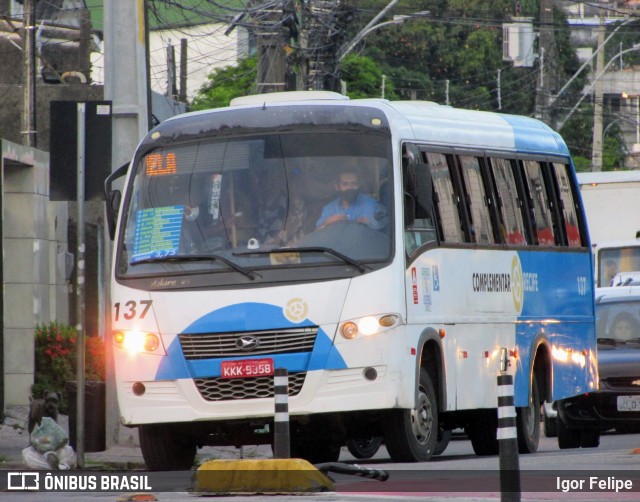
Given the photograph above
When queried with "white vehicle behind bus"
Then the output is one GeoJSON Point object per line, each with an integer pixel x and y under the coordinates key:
{"type": "Point", "coordinates": [612, 204]}
{"type": "Point", "coordinates": [391, 256]}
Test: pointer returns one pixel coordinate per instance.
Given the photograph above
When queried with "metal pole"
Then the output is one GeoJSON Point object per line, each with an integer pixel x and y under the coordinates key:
{"type": "Point", "coordinates": [507, 435]}
{"type": "Point", "coordinates": [366, 29]}
{"type": "Point", "coordinates": [598, 96]}
{"type": "Point", "coordinates": [80, 280]}
{"type": "Point", "coordinates": [281, 439]}
{"type": "Point", "coordinates": [29, 75]}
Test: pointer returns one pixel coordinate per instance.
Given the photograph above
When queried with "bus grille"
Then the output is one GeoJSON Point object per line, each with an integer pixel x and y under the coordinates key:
{"type": "Point", "coordinates": [228, 389]}
{"type": "Point", "coordinates": [280, 341]}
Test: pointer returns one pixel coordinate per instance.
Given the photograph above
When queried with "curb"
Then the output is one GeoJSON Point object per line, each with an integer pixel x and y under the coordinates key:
{"type": "Point", "coordinates": [292, 475]}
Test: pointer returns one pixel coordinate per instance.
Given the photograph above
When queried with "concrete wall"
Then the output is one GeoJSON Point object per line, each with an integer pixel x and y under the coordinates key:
{"type": "Point", "coordinates": [35, 289]}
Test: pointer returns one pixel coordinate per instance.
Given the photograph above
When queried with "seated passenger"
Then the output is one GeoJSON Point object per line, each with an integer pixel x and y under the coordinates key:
{"type": "Point", "coordinates": [352, 205]}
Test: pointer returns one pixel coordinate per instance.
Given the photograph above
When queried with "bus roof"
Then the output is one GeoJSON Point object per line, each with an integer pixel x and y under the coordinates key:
{"type": "Point", "coordinates": [427, 121]}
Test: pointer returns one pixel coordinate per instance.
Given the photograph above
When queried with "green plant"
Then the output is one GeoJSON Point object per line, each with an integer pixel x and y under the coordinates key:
{"type": "Point", "coordinates": [56, 359]}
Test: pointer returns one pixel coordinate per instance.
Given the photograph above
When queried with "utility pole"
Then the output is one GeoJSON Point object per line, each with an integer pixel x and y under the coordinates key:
{"type": "Point", "coordinates": [29, 74]}
{"type": "Point", "coordinates": [596, 157]}
{"type": "Point", "coordinates": [270, 47]}
{"type": "Point", "coordinates": [182, 92]}
{"type": "Point", "coordinates": [126, 80]}
{"type": "Point", "coordinates": [127, 87]}
{"type": "Point", "coordinates": [547, 77]}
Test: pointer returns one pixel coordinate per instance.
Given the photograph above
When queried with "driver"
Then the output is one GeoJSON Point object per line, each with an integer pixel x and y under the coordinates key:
{"type": "Point", "coordinates": [352, 205]}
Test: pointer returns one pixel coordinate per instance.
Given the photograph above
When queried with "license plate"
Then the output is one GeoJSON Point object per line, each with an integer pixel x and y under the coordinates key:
{"type": "Point", "coordinates": [247, 368]}
{"type": "Point", "coordinates": [628, 403]}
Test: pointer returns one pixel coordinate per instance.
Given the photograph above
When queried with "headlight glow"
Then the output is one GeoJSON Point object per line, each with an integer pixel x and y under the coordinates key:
{"type": "Point", "coordinates": [368, 325]}
{"type": "Point", "coordinates": [137, 342]}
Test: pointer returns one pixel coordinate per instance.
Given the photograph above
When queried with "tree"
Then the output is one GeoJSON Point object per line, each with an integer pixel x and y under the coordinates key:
{"type": "Point", "coordinates": [225, 84]}
{"type": "Point", "coordinates": [364, 78]}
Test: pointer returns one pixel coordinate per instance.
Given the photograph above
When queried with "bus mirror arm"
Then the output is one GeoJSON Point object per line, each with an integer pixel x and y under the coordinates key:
{"type": "Point", "coordinates": [113, 198]}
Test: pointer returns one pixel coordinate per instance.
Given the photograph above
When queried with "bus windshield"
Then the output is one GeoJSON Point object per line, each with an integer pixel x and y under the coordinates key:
{"type": "Point", "coordinates": [276, 201]}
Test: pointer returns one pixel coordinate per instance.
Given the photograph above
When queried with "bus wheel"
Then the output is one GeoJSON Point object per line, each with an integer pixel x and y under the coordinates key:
{"type": "Point", "coordinates": [442, 441]}
{"type": "Point", "coordinates": [410, 435]}
{"type": "Point", "coordinates": [165, 449]}
{"type": "Point", "coordinates": [364, 448]}
{"type": "Point", "coordinates": [482, 432]}
{"type": "Point", "coordinates": [528, 421]}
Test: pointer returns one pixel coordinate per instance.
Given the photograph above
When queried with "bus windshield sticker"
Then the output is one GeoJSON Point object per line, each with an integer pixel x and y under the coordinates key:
{"type": "Point", "coordinates": [284, 258]}
{"type": "Point", "coordinates": [157, 232]}
{"type": "Point", "coordinates": [214, 204]}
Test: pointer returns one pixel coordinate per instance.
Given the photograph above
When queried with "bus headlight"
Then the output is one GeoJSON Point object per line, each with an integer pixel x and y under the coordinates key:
{"type": "Point", "coordinates": [369, 325]}
{"type": "Point", "coordinates": [138, 341]}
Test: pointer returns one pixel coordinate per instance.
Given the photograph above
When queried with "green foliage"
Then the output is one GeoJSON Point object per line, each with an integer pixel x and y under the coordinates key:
{"type": "Point", "coordinates": [364, 78]}
{"type": "Point", "coordinates": [613, 151]}
{"type": "Point", "coordinates": [56, 359]}
{"type": "Point", "coordinates": [582, 164]}
{"type": "Point", "coordinates": [225, 84]}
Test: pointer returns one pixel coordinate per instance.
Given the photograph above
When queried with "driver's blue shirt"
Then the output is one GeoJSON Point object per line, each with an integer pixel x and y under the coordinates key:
{"type": "Point", "coordinates": [364, 207]}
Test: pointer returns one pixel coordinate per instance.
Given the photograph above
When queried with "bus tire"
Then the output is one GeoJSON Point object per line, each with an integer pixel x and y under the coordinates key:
{"type": "Point", "coordinates": [482, 432]}
{"type": "Point", "coordinates": [567, 437]}
{"type": "Point", "coordinates": [165, 449]}
{"type": "Point", "coordinates": [410, 435]}
{"type": "Point", "coordinates": [528, 421]}
{"type": "Point", "coordinates": [364, 448]}
{"type": "Point", "coordinates": [442, 441]}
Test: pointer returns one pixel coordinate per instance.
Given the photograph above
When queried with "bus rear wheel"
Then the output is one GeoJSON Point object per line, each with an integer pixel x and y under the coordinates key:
{"type": "Point", "coordinates": [165, 448]}
{"type": "Point", "coordinates": [410, 435]}
{"type": "Point", "coordinates": [528, 421]}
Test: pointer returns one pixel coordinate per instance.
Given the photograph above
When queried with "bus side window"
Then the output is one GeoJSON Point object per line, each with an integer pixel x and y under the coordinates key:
{"type": "Point", "coordinates": [419, 227]}
{"type": "Point", "coordinates": [447, 199]}
{"type": "Point", "coordinates": [569, 211]}
{"type": "Point", "coordinates": [510, 204]}
{"type": "Point", "coordinates": [478, 200]}
{"type": "Point", "coordinates": [538, 196]}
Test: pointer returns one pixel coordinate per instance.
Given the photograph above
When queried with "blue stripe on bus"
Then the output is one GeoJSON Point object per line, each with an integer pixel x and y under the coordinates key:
{"type": "Point", "coordinates": [531, 136]}
{"type": "Point", "coordinates": [551, 285]}
{"type": "Point", "coordinates": [239, 318]}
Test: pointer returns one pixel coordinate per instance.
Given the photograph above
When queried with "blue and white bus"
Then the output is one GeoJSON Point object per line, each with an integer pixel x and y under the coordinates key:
{"type": "Point", "coordinates": [455, 241]}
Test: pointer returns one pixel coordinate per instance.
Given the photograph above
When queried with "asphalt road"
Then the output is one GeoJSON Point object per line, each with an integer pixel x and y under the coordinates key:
{"type": "Point", "coordinates": [550, 474]}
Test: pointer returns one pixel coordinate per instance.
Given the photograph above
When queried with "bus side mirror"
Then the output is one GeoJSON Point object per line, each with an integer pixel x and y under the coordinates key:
{"type": "Point", "coordinates": [113, 198]}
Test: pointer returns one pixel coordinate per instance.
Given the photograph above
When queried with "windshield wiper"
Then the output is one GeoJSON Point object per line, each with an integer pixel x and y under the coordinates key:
{"type": "Point", "coordinates": [633, 340]}
{"type": "Point", "coordinates": [198, 257]}
{"type": "Point", "coordinates": [315, 249]}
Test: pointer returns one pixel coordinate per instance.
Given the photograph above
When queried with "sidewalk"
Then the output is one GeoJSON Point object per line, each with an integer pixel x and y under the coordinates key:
{"type": "Point", "coordinates": [14, 438]}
